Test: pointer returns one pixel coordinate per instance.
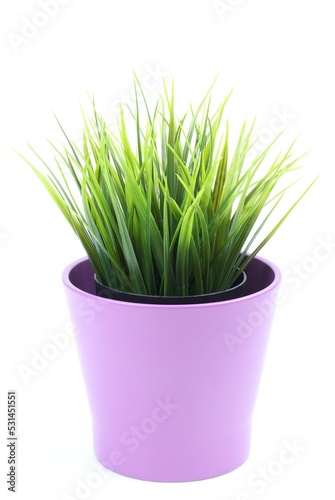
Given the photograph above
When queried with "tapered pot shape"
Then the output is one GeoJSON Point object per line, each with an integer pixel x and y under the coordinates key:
{"type": "Point", "coordinates": [172, 388]}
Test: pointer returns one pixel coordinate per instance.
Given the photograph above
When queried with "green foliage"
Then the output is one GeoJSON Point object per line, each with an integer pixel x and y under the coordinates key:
{"type": "Point", "coordinates": [171, 211]}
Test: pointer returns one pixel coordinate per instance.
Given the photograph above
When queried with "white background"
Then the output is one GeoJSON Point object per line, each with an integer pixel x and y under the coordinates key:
{"type": "Point", "coordinates": [279, 58]}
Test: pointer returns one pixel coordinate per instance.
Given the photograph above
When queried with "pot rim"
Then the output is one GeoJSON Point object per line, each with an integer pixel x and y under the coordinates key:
{"type": "Point", "coordinates": [74, 289]}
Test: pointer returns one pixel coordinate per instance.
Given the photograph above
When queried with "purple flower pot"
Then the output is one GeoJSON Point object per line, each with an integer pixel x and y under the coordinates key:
{"type": "Point", "coordinates": [172, 388]}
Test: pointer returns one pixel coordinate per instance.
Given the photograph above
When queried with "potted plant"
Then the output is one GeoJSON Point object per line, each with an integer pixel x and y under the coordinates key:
{"type": "Point", "coordinates": [173, 304]}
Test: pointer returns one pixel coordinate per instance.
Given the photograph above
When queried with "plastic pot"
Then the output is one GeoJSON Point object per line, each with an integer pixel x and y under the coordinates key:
{"type": "Point", "coordinates": [236, 291]}
{"type": "Point", "coordinates": [172, 388]}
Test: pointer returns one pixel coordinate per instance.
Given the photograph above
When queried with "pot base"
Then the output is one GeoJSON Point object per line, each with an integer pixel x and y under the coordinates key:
{"type": "Point", "coordinates": [189, 461]}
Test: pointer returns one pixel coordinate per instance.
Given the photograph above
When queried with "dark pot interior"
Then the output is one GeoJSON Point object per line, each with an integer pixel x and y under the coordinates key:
{"type": "Point", "coordinates": [236, 291]}
{"type": "Point", "coordinates": [259, 276]}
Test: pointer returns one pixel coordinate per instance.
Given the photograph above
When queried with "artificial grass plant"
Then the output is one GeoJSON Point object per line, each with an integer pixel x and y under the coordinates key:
{"type": "Point", "coordinates": [177, 210]}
